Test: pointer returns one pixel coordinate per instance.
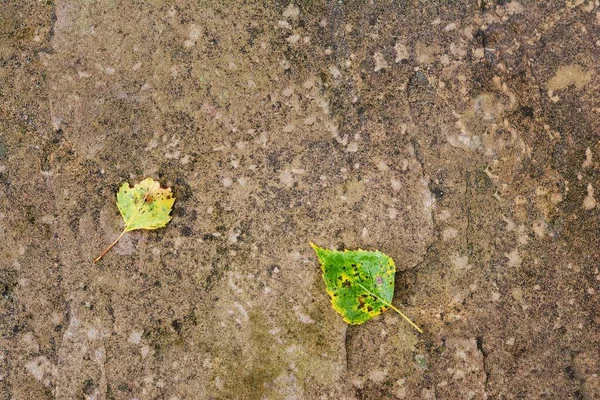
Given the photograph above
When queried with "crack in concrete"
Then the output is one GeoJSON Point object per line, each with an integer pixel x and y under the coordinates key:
{"type": "Point", "coordinates": [573, 374]}
{"type": "Point", "coordinates": [481, 349]}
{"type": "Point", "coordinates": [347, 358]}
{"type": "Point", "coordinates": [421, 161]}
{"type": "Point", "coordinates": [539, 86]}
{"type": "Point", "coordinates": [418, 156]}
{"type": "Point", "coordinates": [48, 165]}
{"type": "Point", "coordinates": [467, 202]}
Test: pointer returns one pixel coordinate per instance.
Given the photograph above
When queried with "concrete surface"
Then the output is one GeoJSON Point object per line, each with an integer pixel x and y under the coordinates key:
{"type": "Point", "coordinates": [459, 137]}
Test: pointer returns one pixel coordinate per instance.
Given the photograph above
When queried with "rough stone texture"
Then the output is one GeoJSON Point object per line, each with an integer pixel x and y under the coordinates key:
{"type": "Point", "coordinates": [460, 138]}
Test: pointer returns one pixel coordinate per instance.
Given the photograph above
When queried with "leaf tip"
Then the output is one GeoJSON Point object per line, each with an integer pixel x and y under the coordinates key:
{"type": "Point", "coordinates": [318, 250]}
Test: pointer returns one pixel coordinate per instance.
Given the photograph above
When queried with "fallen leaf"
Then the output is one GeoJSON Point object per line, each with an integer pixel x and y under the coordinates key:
{"type": "Point", "coordinates": [360, 283]}
{"type": "Point", "coordinates": [145, 206]}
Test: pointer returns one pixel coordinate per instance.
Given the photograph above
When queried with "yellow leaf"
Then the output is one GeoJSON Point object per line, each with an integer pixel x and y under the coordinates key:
{"type": "Point", "coordinates": [145, 206]}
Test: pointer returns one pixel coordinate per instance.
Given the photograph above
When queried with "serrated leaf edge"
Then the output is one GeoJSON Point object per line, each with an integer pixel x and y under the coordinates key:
{"type": "Point", "coordinates": [127, 224]}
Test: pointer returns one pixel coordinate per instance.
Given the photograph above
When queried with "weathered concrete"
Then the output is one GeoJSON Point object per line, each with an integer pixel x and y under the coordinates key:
{"type": "Point", "coordinates": [460, 138]}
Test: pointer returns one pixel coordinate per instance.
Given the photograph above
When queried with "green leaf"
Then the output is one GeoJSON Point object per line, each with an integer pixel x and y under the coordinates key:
{"type": "Point", "coordinates": [145, 206]}
{"type": "Point", "coordinates": [360, 283]}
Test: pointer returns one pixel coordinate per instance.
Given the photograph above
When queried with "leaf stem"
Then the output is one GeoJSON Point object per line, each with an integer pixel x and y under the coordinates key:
{"type": "Point", "coordinates": [109, 247]}
{"type": "Point", "coordinates": [392, 307]}
{"type": "Point", "coordinates": [405, 317]}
